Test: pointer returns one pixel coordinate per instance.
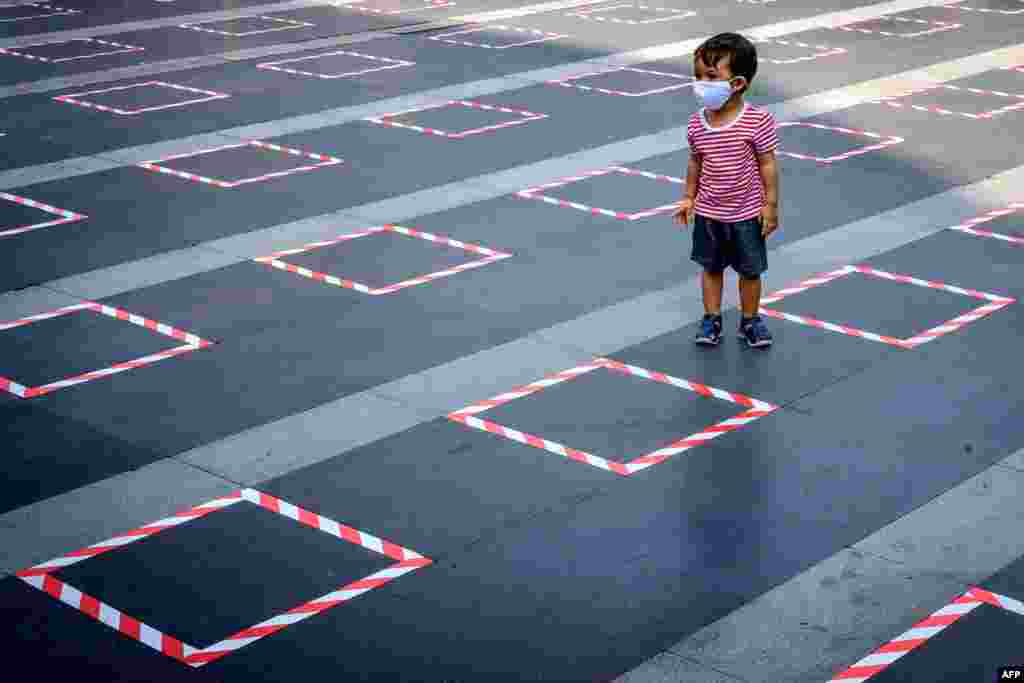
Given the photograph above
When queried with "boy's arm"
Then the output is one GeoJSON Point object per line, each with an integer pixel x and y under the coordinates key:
{"type": "Point", "coordinates": [685, 212]}
{"type": "Point", "coordinates": [692, 176]}
{"type": "Point", "coordinates": [770, 178]}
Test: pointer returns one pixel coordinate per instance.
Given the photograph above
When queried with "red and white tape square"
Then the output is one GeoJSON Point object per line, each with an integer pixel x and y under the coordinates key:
{"type": "Point", "coordinates": [45, 10]}
{"type": "Point", "coordinates": [64, 216]}
{"type": "Point", "coordinates": [660, 14]}
{"type": "Point", "coordinates": [529, 36]}
{"type": "Point", "coordinates": [78, 98]}
{"type": "Point", "coordinates": [523, 117]}
{"type": "Point", "coordinates": [402, 7]}
{"type": "Point", "coordinates": [971, 226]}
{"type": "Point", "coordinates": [191, 343]}
{"type": "Point", "coordinates": [380, 64]}
{"type": "Point", "coordinates": [993, 303]}
{"type": "Point", "coordinates": [275, 24]}
{"type": "Point", "coordinates": [986, 10]}
{"type": "Point", "coordinates": [535, 193]}
{"type": "Point", "coordinates": [489, 256]}
{"type": "Point", "coordinates": [1016, 101]}
{"type": "Point", "coordinates": [932, 27]}
{"type": "Point", "coordinates": [42, 577]}
{"type": "Point", "coordinates": [818, 51]}
{"type": "Point", "coordinates": [752, 410]}
{"type": "Point", "coordinates": [923, 631]}
{"type": "Point", "coordinates": [104, 48]}
{"type": "Point", "coordinates": [322, 161]}
{"type": "Point", "coordinates": [676, 82]}
{"type": "Point", "coordinates": [886, 141]}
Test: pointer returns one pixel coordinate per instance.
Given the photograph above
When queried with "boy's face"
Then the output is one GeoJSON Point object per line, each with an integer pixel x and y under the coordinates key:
{"type": "Point", "coordinates": [718, 72]}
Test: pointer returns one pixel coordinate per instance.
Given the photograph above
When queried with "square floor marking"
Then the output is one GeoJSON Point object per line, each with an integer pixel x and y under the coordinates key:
{"type": "Point", "coordinates": [51, 215]}
{"type": "Point", "coordinates": [921, 632]}
{"type": "Point", "coordinates": [899, 27]}
{"type": "Point", "coordinates": [171, 94]}
{"type": "Point", "coordinates": [68, 50]}
{"type": "Point", "coordinates": [752, 410]}
{"type": "Point", "coordinates": [642, 82]}
{"type": "Point", "coordinates": [276, 260]}
{"type": "Point", "coordinates": [42, 577]}
{"type": "Point", "coordinates": [884, 141]}
{"type": "Point", "coordinates": [337, 64]}
{"type": "Point", "coordinates": [191, 343]}
{"type": "Point", "coordinates": [396, 6]}
{"type": "Point", "coordinates": [32, 10]}
{"type": "Point", "coordinates": [632, 14]}
{"type": "Point", "coordinates": [804, 52]}
{"type": "Point", "coordinates": [984, 6]}
{"type": "Point", "coordinates": [540, 192]}
{"type": "Point", "coordinates": [917, 99]}
{"type": "Point", "coordinates": [250, 26]}
{"type": "Point", "coordinates": [519, 117]}
{"type": "Point", "coordinates": [1011, 212]}
{"type": "Point", "coordinates": [992, 303]}
{"type": "Point", "coordinates": [497, 37]}
{"type": "Point", "coordinates": [322, 161]}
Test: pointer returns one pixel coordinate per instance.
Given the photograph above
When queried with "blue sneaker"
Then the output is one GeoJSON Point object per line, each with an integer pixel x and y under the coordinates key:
{"type": "Point", "coordinates": [710, 330]}
{"type": "Point", "coordinates": [755, 332]}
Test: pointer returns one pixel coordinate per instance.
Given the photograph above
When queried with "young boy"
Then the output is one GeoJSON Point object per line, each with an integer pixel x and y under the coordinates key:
{"type": "Point", "coordinates": [732, 186]}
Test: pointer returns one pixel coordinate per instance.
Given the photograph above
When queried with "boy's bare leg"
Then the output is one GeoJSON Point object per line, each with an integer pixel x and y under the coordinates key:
{"type": "Point", "coordinates": [750, 296]}
{"type": "Point", "coordinates": [711, 286]}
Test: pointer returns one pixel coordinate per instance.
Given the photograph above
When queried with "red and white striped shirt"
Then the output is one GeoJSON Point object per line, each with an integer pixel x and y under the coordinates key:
{"type": "Point", "coordinates": [730, 187]}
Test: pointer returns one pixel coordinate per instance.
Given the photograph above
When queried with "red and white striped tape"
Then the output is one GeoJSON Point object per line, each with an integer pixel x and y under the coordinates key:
{"type": "Point", "coordinates": [569, 82]}
{"type": "Point", "coordinates": [56, 60]}
{"type": "Point", "coordinates": [192, 343]}
{"type": "Point", "coordinates": [527, 116]}
{"type": "Point", "coordinates": [970, 226]}
{"type": "Point", "coordinates": [887, 141]}
{"type": "Point", "coordinates": [50, 11]}
{"type": "Point", "coordinates": [427, 5]}
{"type": "Point", "coordinates": [754, 409]}
{"type": "Point", "coordinates": [75, 98]}
{"type": "Point", "coordinates": [534, 193]}
{"type": "Point", "coordinates": [388, 64]}
{"type": "Point", "coordinates": [936, 27]}
{"type": "Point", "coordinates": [41, 577]}
{"type": "Point", "coordinates": [288, 24]}
{"type": "Point", "coordinates": [922, 632]}
{"type": "Point", "coordinates": [821, 51]}
{"type": "Point", "coordinates": [891, 101]}
{"type": "Point", "coordinates": [65, 215]}
{"type": "Point", "coordinates": [671, 12]}
{"type": "Point", "coordinates": [322, 159]}
{"type": "Point", "coordinates": [956, 4]}
{"type": "Point", "coordinates": [538, 36]}
{"type": "Point", "coordinates": [995, 302]}
{"type": "Point", "coordinates": [489, 256]}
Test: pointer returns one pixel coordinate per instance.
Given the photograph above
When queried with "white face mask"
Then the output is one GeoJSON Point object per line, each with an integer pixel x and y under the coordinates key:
{"type": "Point", "coordinates": [712, 94]}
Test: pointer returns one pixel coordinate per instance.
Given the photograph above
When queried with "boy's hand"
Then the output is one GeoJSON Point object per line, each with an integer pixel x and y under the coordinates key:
{"type": "Point", "coordinates": [684, 214]}
{"type": "Point", "coordinates": [769, 219]}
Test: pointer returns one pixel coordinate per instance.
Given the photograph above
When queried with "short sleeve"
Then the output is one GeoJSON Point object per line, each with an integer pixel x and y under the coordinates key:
{"type": "Point", "coordinates": [766, 137]}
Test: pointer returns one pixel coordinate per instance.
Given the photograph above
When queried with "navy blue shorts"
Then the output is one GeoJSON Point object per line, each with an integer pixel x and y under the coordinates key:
{"type": "Point", "coordinates": [740, 245]}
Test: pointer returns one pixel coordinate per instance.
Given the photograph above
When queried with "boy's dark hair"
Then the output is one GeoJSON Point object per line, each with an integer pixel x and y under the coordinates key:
{"type": "Point", "coordinates": [741, 53]}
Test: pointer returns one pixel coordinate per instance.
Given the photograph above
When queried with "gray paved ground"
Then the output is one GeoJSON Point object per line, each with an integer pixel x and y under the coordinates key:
{"type": "Point", "coordinates": [869, 518]}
